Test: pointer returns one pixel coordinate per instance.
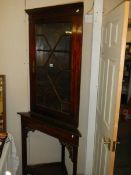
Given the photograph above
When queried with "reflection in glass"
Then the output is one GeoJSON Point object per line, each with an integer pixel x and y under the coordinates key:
{"type": "Point", "coordinates": [53, 67]}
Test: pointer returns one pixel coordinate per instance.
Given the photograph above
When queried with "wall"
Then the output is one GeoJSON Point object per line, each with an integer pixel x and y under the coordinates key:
{"type": "Point", "coordinates": [14, 64]}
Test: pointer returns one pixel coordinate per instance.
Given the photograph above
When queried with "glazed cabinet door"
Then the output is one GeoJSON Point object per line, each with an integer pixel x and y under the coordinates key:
{"type": "Point", "coordinates": [55, 60]}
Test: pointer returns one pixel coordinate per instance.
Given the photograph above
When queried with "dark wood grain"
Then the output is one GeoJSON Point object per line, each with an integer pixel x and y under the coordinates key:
{"type": "Point", "coordinates": [58, 14]}
{"type": "Point", "coordinates": [58, 123]}
{"type": "Point", "coordinates": [67, 136]}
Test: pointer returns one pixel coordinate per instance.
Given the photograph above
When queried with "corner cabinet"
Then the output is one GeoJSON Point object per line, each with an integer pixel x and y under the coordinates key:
{"type": "Point", "coordinates": [55, 46]}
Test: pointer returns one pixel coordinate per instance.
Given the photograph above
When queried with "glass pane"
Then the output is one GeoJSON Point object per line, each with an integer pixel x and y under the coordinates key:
{"type": "Point", "coordinates": [46, 95]}
{"type": "Point", "coordinates": [53, 43]}
{"type": "Point", "coordinates": [41, 43]}
{"type": "Point", "coordinates": [64, 43]}
{"type": "Point", "coordinates": [42, 58]}
{"type": "Point", "coordinates": [53, 32]}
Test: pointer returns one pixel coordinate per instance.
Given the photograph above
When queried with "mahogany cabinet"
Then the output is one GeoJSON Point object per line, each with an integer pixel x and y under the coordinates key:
{"type": "Point", "coordinates": [55, 44]}
{"type": "Point", "coordinates": [55, 47]}
{"type": "Point", "coordinates": [68, 138]}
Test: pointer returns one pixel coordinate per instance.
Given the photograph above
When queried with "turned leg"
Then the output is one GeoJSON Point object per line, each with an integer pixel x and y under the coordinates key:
{"type": "Point", "coordinates": [63, 154]}
{"type": "Point", "coordinates": [75, 156]}
{"type": "Point", "coordinates": [24, 149]}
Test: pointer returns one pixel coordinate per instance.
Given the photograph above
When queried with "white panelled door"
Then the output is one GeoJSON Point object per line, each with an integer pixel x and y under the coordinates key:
{"type": "Point", "coordinates": [114, 31]}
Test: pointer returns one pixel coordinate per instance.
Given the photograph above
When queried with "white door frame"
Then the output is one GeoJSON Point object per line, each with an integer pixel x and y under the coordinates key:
{"type": "Point", "coordinates": [95, 57]}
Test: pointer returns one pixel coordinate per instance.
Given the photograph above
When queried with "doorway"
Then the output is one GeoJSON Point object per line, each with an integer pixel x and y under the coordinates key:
{"type": "Point", "coordinates": [123, 149]}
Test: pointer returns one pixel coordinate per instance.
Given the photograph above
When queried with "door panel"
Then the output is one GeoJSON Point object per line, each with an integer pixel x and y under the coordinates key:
{"type": "Point", "coordinates": [109, 87]}
{"type": "Point", "coordinates": [104, 158]}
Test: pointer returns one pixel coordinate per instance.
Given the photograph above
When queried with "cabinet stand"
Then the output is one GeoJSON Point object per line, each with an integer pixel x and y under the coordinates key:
{"type": "Point", "coordinates": [68, 137]}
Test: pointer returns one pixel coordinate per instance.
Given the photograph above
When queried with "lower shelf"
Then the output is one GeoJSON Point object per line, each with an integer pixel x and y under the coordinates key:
{"type": "Point", "coordinates": [47, 169]}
